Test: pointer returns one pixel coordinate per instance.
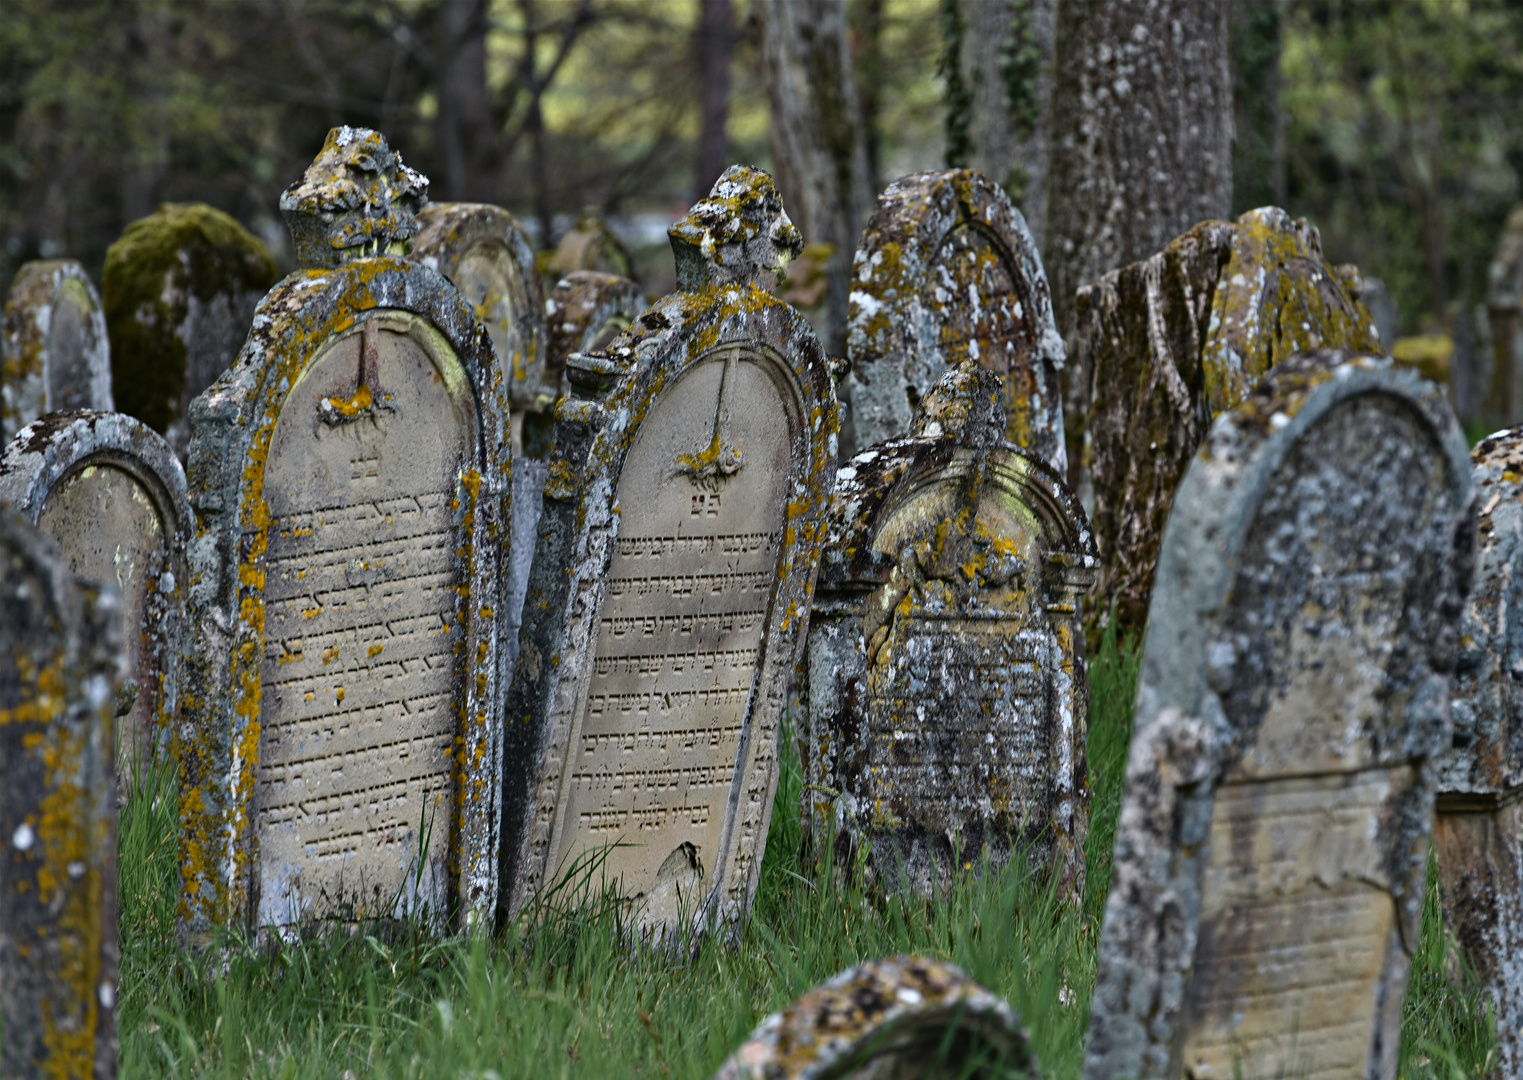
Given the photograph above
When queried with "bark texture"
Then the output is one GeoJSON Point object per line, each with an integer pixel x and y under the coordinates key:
{"type": "Point", "coordinates": [715, 41]}
{"type": "Point", "coordinates": [463, 125]}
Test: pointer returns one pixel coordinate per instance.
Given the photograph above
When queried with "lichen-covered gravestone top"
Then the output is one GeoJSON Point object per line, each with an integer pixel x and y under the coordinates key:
{"type": "Point", "coordinates": [947, 271]}
{"type": "Point", "coordinates": [671, 584]}
{"type": "Point", "coordinates": [54, 352]}
{"type": "Point", "coordinates": [58, 664]}
{"type": "Point", "coordinates": [946, 694]}
{"type": "Point", "coordinates": [180, 288]}
{"type": "Point", "coordinates": [340, 725]}
{"type": "Point", "coordinates": [1272, 849]}
{"type": "Point", "coordinates": [111, 495]}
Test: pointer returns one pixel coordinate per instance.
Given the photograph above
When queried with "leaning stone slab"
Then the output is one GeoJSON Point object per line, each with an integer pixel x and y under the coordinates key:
{"type": "Point", "coordinates": [946, 690]}
{"type": "Point", "coordinates": [904, 1016]}
{"type": "Point", "coordinates": [180, 289]}
{"type": "Point", "coordinates": [110, 494]}
{"type": "Point", "coordinates": [340, 727]}
{"type": "Point", "coordinates": [58, 664]}
{"type": "Point", "coordinates": [671, 583]}
{"type": "Point", "coordinates": [947, 271]}
{"type": "Point", "coordinates": [1272, 848]}
{"type": "Point", "coordinates": [54, 352]}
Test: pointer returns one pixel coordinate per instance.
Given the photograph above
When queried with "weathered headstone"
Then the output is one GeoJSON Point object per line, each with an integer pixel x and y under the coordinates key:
{"type": "Point", "coordinates": [1167, 344]}
{"type": "Point", "coordinates": [1504, 308]}
{"type": "Point", "coordinates": [340, 724]}
{"type": "Point", "coordinates": [1478, 834]}
{"type": "Point", "coordinates": [1272, 848]}
{"type": "Point", "coordinates": [110, 494]}
{"type": "Point", "coordinates": [671, 584]}
{"type": "Point", "coordinates": [58, 656]}
{"type": "Point", "coordinates": [180, 288]}
{"type": "Point", "coordinates": [590, 245]}
{"type": "Point", "coordinates": [899, 1018]}
{"type": "Point", "coordinates": [947, 271]}
{"type": "Point", "coordinates": [946, 690]}
{"type": "Point", "coordinates": [53, 353]}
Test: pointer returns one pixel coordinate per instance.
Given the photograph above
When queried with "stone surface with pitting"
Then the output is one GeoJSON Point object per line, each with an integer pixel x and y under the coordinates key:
{"type": "Point", "coordinates": [944, 683]}
{"type": "Point", "coordinates": [947, 271]}
{"type": "Point", "coordinates": [1272, 848]}
{"type": "Point", "coordinates": [111, 495]}
{"type": "Point", "coordinates": [671, 584]}
{"type": "Point", "coordinates": [901, 1018]}
{"type": "Point", "coordinates": [59, 658]}
{"type": "Point", "coordinates": [54, 353]}
{"type": "Point", "coordinates": [355, 201]}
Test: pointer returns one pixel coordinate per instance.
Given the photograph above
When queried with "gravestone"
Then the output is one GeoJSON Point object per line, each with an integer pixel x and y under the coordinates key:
{"type": "Point", "coordinates": [108, 491]}
{"type": "Point", "coordinates": [58, 949]}
{"type": "Point", "coordinates": [54, 352]}
{"type": "Point", "coordinates": [1272, 848]}
{"type": "Point", "coordinates": [590, 245]}
{"type": "Point", "coordinates": [1165, 345]}
{"type": "Point", "coordinates": [1504, 310]}
{"type": "Point", "coordinates": [900, 1017]}
{"type": "Point", "coordinates": [1478, 833]}
{"type": "Point", "coordinates": [671, 583]}
{"type": "Point", "coordinates": [340, 726]}
{"type": "Point", "coordinates": [180, 289]}
{"type": "Point", "coordinates": [947, 271]}
{"type": "Point", "coordinates": [946, 693]}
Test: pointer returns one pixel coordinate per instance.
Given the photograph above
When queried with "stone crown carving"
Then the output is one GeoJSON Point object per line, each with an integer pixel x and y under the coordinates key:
{"type": "Point", "coordinates": [740, 234]}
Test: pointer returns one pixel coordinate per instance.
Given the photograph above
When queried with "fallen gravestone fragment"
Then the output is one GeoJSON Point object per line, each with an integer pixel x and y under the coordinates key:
{"type": "Point", "coordinates": [58, 949]}
{"type": "Point", "coordinates": [947, 271]}
{"type": "Point", "coordinates": [109, 493]}
{"type": "Point", "coordinates": [180, 288]}
{"type": "Point", "coordinates": [340, 727]}
{"type": "Point", "coordinates": [896, 1019]}
{"type": "Point", "coordinates": [1272, 848]}
{"type": "Point", "coordinates": [670, 588]}
{"type": "Point", "coordinates": [53, 353]}
{"type": "Point", "coordinates": [946, 694]}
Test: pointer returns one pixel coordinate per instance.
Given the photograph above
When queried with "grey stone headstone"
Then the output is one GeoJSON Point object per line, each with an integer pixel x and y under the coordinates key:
{"type": "Point", "coordinates": [946, 690]}
{"type": "Point", "coordinates": [110, 494]}
{"type": "Point", "coordinates": [666, 609]}
{"type": "Point", "coordinates": [340, 728]}
{"type": "Point", "coordinates": [1272, 849]}
{"type": "Point", "coordinates": [54, 352]}
{"type": "Point", "coordinates": [58, 665]}
{"type": "Point", "coordinates": [586, 310]}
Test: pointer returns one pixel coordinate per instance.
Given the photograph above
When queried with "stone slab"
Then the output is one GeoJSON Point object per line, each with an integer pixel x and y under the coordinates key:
{"type": "Point", "coordinates": [54, 353]}
{"type": "Point", "coordinates": [587, 309]}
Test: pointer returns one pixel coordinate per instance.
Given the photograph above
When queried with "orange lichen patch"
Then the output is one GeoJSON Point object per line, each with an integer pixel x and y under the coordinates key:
{"type": "Point", "coordinates": [374, 651]}
{"type": "Point", "coordinates": [352, 406]}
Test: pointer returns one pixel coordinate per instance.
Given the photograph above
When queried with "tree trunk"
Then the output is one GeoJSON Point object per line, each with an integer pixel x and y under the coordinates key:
{"type": "Point", "coordinates": [715, 42]}
{"type": "Point", "coordinates": [868, 61]}
{"type": "Point", "coordinates": [817, 143]}
{"type": "Point", "coordinates": [463, 127]}
{"type": "Point", "coordinates": [1258, 144]}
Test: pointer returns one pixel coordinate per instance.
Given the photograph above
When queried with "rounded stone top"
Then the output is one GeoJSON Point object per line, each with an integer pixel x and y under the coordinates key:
{"type": "Point", "coordinates": [356, 199]}
{"type": "Point", "coordinates": [967, 402]}
{"type": "Point", "coordinates": [739, 234]}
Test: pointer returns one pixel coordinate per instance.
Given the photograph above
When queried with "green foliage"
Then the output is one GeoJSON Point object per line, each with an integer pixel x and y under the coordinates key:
{"type": "Point", "coordinates": [1020, 64]}
{"type": "Point", "coordinates": [957, 95]}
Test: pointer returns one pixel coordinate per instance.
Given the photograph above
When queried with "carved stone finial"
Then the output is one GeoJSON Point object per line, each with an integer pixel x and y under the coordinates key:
{"type": "Point", "coordinates": [736, 235]}
{"type": "Point", "coordinates": [356, 199]}
{"type": "Point", "coordinates": [967, 402]}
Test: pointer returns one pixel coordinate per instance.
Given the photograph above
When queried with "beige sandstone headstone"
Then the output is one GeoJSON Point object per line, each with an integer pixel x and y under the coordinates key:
{"type": "Point", "coordinates": [53, 353]}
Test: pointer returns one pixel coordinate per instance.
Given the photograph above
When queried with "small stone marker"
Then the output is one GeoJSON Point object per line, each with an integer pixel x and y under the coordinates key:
{"type": "Point", "coordinates": [1272, 850]}
{"type": "Point", "coordinates": [902, 1017]}
{"type": "Point", "coordinates": [180, 289]}
{"type": "Point", "coordinates": [1478, 834]}
{"type": "Point", "coordinates": [108, 491]}
{"type": "Point", "coordinates": [946, 690]}
{"type": "Point", "coordinates": [340, 726]}
{"type": "Point", "coordinates": [671, 584]}
{"type": "Point", "coordinates": [590, 245]}
{"type": "Point", "coordinates": [54, 353]}
{"type": "Point", "coordinates": [947, 271]}
{"type": "Point", "coordinates": [58, 657]}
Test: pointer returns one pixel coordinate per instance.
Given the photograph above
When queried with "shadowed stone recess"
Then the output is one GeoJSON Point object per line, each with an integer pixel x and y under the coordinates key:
{"type": "Point", "coordinates": [54, 352]}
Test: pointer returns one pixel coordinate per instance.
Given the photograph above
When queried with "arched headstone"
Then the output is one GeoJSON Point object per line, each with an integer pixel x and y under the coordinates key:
{"type": "Point", "coordinates": [590, 245]}
{"type": "Point", "coordinates": [1272, 849]}
{"type": "Point", "coordinates": [54, 353]}
{"type": "Point", "coordinates": [671, 583]}
{"type": "Point", "coordinates": [339, 737]}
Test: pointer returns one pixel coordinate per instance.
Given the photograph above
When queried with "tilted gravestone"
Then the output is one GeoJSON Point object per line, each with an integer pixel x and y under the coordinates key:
{"type": "Point", "coordinates": [671, 584]}
{"type": "Point", "coordinates": [53, 353]}
{"type": "Point", "coordinates": [58, 949]}
{"type": "Point", "coordinates": [900, 1017]}
{"type": "Point", "coordinates": [340, 725]}
{"type": "Point", "coordinates": [180, 288]}
{"type": "Point", "coordinates": [947, 271]}
{"type": "Point", "coordinates": [1167, 344]}
{"type": "Point", "coordinates": [110, 494]}
{"type": "Point", "coordinates": [946, 693]}
{"type": "Point", "coordinates": [1272, 848]}
{"type": "Point", "coordinates": [1478, 833]}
